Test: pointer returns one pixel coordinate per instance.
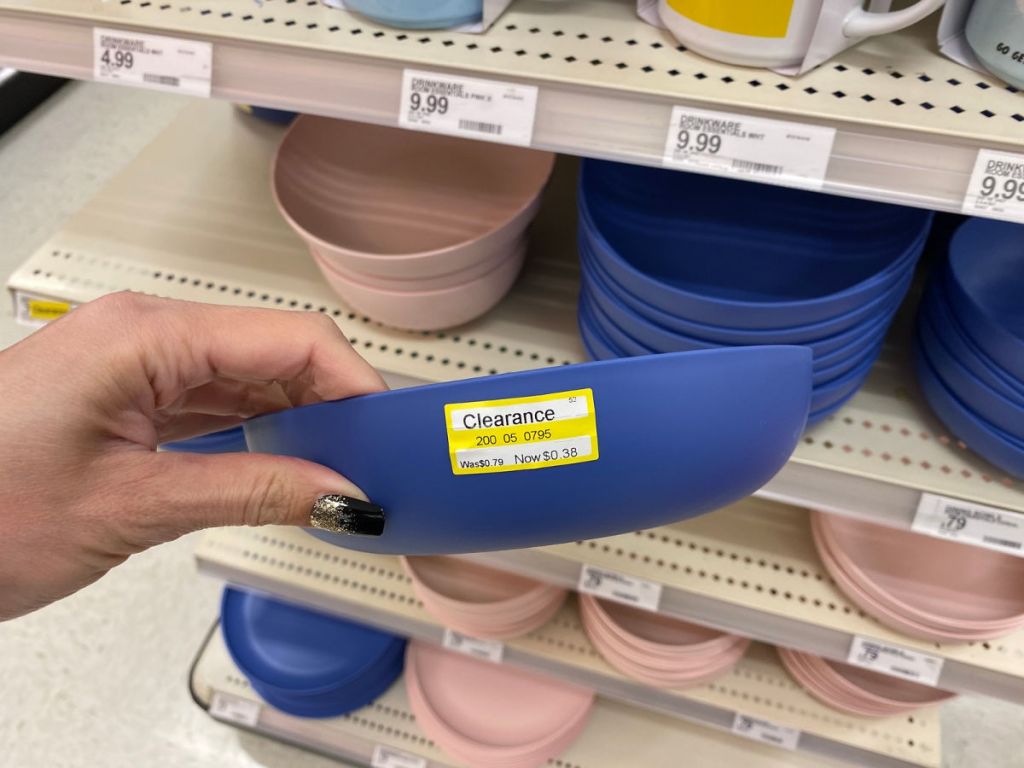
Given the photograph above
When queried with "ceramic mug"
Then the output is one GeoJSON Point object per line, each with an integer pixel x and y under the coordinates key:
{"type": "Point", "coordinates": [419, 14]}
{"type": "Point", "coordinates": [995, 32]}
{"type": "Point", "coordinates": [771, 33]}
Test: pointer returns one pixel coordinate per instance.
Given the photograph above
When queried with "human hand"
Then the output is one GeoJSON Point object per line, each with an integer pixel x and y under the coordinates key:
{"type": "Point", "coordinates": [87, 399]}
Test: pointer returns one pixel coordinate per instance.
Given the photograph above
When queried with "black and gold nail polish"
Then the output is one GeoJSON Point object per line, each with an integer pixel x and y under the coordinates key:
{"type": "Point", "coordinates": [344, 514]}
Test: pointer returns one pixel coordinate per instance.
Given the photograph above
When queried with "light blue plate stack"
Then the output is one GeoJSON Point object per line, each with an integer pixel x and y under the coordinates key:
{"type": "Point", "coordinates": [969, 347]}
{"type": "Point", "coordinates": [675, 261]}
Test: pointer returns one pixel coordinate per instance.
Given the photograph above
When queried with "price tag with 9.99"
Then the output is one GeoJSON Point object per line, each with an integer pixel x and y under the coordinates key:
{"type": "Point", "coordinates": [996, 188]}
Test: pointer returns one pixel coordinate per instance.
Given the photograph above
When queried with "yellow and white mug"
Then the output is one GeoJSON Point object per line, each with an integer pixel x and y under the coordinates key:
{"type": "Point", "coordinates": [771, 33]}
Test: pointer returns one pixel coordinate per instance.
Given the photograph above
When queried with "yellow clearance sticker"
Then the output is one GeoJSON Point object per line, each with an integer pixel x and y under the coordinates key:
{"type": "Point", "coordinates": [44, 311]}
{"type": "Point", "coordinates": [522, 432]}
{"type": "Point", "coordinates": [757, 18]}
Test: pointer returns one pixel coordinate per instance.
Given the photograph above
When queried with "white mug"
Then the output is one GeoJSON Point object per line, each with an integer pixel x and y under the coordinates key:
{"type": "Point", "coordinates": [771, 33]}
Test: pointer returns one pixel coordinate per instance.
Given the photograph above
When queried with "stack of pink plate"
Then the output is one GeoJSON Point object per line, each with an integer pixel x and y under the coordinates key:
{"type": "Point", "coordinates": [656, 649]}
{"type": "Point", "coordinates": [415, 230]}
{"type": "Point", "coordinates": [481, 602]}
{"type": "Point", "coordinates": [857, 691]}
{"type": "Point", "coordinates": [928, 588]}
{"type": "Point", "coordinates": [489, 715]}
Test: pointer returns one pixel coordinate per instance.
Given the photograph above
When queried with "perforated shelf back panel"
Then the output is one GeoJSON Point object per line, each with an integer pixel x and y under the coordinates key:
{"type": "Point", "coordinates": [374, 588]}
{"type": "Point", "coordinates": [193, 218]}
{"type": "Point", "coordinates": [616, 734]}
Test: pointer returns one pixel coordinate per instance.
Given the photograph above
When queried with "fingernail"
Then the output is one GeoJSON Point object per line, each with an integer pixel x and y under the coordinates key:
{"type": "Point", "coordinates": [344, 514]}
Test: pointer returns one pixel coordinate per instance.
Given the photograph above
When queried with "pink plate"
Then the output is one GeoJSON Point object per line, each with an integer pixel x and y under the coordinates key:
{"type": "Point", "coordinates": [966, 587]}
{"type": "Point", "coordinates": [466, 586]}
{"type": "Point", "coordinates": [428, 310]}
{"type": "Point", "coordinates": [491, 715]}
{"type": "Point", "coordinates": [402, 204]}
{"type": "Point", "coordinates": [496, 627]}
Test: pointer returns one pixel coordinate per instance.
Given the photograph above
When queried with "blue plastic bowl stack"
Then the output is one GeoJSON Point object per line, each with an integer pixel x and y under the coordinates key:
{"type": "Point", "coordinates": [307, 663]}
{"type": "Point", "coordinates": [969, 348]}
{"type": "Point", "coordinates": [675, 261]}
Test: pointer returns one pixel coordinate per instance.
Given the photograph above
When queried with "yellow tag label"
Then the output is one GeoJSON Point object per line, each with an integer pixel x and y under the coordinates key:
{"type": "Point", "coordinates": [45, 311]}
{"type": "Point", "coordinates": [757, 18]}
{"type": "Point", "coordinates": [522, 432]}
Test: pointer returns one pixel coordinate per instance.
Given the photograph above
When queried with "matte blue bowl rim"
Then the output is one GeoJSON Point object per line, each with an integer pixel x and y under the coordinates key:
{"type": "Point", "coordinates": [806, 333]}
{"type": "Point", "coordinates": [891, 271]}
{"type": "Point", "coordinates": [227, 440]}
{"type": "Point", "coordinates": [236, 634]}
{"type": "Point", "coordinates": [393, 20]}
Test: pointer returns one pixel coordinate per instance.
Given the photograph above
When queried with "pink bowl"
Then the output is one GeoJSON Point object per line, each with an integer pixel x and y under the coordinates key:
{"type": "Point", "coordinates": [428, 310]}
{"type": "Point", "coordinates": [858, 691]}
{"type": "Point", "coordinates": [952, 591]}
{"type": "Point", "coordinates": [489, 714]}
{"type": "Point", "coordinates": [400, 204]}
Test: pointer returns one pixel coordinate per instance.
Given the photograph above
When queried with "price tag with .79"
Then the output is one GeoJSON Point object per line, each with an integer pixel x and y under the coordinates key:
{"type": "Point", "coordinates": [996, 188]}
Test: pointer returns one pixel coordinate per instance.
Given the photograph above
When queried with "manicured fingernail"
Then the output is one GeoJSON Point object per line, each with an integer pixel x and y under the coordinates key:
{"type": "Point", "coordinates": [345, 514]}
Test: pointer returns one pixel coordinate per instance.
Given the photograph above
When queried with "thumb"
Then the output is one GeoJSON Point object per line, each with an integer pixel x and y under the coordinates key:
{"type": "Point", "coordinates": [193, 491]}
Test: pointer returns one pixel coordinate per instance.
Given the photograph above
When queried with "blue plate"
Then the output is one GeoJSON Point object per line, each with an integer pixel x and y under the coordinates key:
{"type": "Point", "coordinates": [967, 387]}
{"type": "Point", "coordinates": [985, 284]}
{"type": "Point", "coordinates": [677, 435]}
{"type": "Point", "coordinates": [963, 348]}
{"type": "Point", "coordinates": [822, 337]}
{"type": "Point", "coordinates": [823, 371]}
{"type": "Point", "coordinates": [832, 392]}
{"type": "Point", "coordinates": [771, 274]}
{"type": "Point", "coordinates": [226, 441]}
{"type": "Point", "coordinates": [298, 651]}
{"type": "Point", "coordinates": [419, 14]}
{"type": "Point", "coordinates": [597, 345]}
{"type": "Point", "coordinates": [987, 441]}
{"type": "Point", "coordinates": [816, 417]}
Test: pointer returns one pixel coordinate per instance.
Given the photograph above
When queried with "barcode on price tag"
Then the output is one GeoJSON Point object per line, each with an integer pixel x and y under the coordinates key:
{"type": "Point", "coordinates": [152, 61]}
{"type": "Point", "coordinates": [389, 757]}
{"type": "Point", "coordinates": [234, 709]}
{"type": "Point", "coordinates": [464, 106]}
{"type": "Point", "coordinates": [970, 523]}
{"type": "Point", "coordinates": [996, 188]}
{"type": "Point", "coordinates": [618, 587]}
{"type": "Point", "coordinates": [724, 144]}
{"type": "Point", "coordinates": [765, 731]}
{"type": "Point", "coordinates": [895, 661]}
{"type": "Point", "coordinates": [488, 650]}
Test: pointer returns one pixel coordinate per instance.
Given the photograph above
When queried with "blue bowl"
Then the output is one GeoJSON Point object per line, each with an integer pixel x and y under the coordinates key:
{"type": "Point", "coordinates": [989, 442]}
{"type": "Point", "coordinates": [823, 370]}
{"type": "Point", "coordinates": [835, 391]}
{"type": "Point", "coordinates": [226, 441]}
{"type": "Point", "coordinates": [596, 344]}
{"type": "Point", "coordinates": [676, 435]}
{"type": "Point", "coordinates": [816, 417]}
{"type": "Point", "coordinates": [936, 308]}
{"type": "Point", "coordinates": [968, 388]}
{"type": "Point", "coordinates": [821, 337]}
{"type": "Point", "coordinates": [305, 662]}
{"type": "Point", "coordinates": [985, 284]}
{"type": "Point", "coordinates": [814, 274]}
{"type": "Point", "coordinates": [419, 14]}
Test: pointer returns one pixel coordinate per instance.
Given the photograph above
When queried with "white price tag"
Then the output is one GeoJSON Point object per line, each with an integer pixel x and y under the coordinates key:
{"type": "Point", "coordinates": [725, 144]}
{"type": "Point", "coordinates": [389, 757]}
{"type": "Point", "coordinates": [996, 188]}
{"type": "Point", "coordinates": [619, 588]}
{"type": "Point", "coordinates": [970, 523]}
{"type": "Point", "coordinates": [152, 61]}
{"type": "Point", "coordinates": [464, 106]}
{"type": "Point", "coordinates": [765, 731]}
{"type": "Point", "coordinates": [36, 311]}
{"type": "Point", "coordinates": [488, 650]}
{"type": "Point", "coordinates": [892, 660]}
{"type": "Point", "coordinates": [234, 709]}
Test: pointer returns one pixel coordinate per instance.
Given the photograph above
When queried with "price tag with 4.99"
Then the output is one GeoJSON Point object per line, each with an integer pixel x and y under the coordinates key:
{"type": "Point", "coordinates": [996, 188]}
{"type": "Point", "coordinates": [152, 61]}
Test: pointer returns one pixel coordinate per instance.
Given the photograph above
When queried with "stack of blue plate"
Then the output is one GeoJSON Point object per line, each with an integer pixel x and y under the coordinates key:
{"type": "Point", "coordinates": [970, 341]}
{"type": "Point", "coordinates": [307, 663]}
{"type": "Point", "coordinates": [226, 441]}
{"type": "Point", "coordinates": [675, 261]}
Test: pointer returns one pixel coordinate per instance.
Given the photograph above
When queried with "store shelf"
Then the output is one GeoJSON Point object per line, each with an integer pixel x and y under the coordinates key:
{"type": "Point", "coordinates": [192, 218]}
{"type": "Point", "coordinates": [617, 734]}
{"type": "Point", "coordinates": [909, 121]}
{"type": "Point", "coordinates": [374, 589]}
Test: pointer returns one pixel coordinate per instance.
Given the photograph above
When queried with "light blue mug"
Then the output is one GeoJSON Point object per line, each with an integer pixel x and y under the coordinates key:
{"type": "Point", "coordinates": [419, 14]}
{"type": "Point", "coordinates": [995, 32]}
